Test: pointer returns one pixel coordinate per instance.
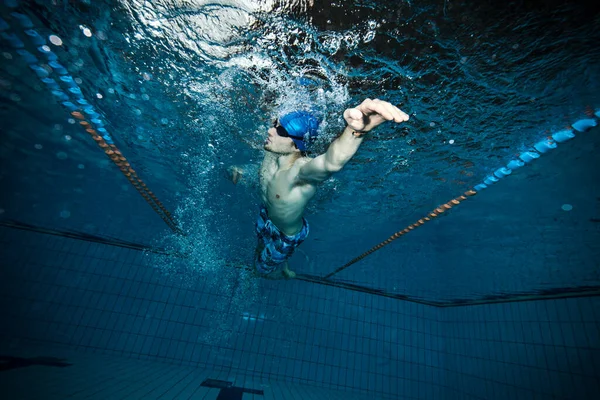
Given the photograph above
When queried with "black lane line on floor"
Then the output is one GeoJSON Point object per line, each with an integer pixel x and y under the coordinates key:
{"type": "Point", "coordinates": [547, 294]}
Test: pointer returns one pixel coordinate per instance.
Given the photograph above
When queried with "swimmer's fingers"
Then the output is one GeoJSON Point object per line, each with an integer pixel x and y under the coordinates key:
{"type": "Point", "coordinates": [377, 107]}
{"type": "Point", "coordinates": [386, 110]}
{"type": "Point", "coordinates": [371, 113]}
{"type": "Point", "coordinates": [399, 115]}
{"type": "Point", "coordinates": [353, 114]}
{"type": "Point", "coordinates": [354, 118]}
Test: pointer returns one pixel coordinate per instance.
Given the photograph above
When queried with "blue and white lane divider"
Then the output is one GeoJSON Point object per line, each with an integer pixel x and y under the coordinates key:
{"type": "Point", "coordinates": [68, 92]}
{"type": "Point", "coordinates": [541, 147]}
{"type": "Point", "coordinates": [71, 96]}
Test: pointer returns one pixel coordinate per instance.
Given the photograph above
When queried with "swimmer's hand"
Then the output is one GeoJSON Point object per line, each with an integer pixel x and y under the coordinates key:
{"type": "Point", "coordinates": [235, 174]}
{"type": "Point", "coordinates": [371, 113]}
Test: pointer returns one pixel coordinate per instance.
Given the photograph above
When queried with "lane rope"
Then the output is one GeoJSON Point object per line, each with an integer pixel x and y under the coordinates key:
{"type": "Point", "coordinates": [534, 152]}
{"type": "Point", "coordinates": [67, 91]}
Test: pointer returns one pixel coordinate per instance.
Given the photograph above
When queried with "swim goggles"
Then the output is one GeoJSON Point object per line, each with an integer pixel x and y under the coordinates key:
{"type": "Point", "coordinates": [281, 130]}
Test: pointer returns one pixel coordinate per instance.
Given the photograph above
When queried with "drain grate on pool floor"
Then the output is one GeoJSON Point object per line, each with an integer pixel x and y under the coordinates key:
{"type": "Point", "coordinates": [228, 391]}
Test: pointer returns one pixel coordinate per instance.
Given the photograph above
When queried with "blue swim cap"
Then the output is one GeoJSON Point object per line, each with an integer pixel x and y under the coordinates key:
{"type": "Point", "coordinates": [302, 127]}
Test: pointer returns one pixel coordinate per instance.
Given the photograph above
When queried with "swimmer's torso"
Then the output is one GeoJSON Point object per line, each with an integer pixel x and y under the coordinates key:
{"type": "Point", "coordinates": [284, 200]}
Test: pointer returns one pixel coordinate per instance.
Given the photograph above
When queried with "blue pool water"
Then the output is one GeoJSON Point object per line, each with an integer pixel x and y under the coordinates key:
{"type": "Point", "coordinates": [187, 89]}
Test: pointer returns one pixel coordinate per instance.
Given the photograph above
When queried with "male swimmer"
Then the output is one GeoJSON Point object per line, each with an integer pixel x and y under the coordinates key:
{"type": "Point", "coordinates": [289, 178]}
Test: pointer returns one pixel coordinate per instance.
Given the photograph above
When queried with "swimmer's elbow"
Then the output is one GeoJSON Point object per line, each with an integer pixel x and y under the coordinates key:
{"type": "Point", "coordinates": [333, 167]}
{"type": "Point", "coordinates": [318, 170]}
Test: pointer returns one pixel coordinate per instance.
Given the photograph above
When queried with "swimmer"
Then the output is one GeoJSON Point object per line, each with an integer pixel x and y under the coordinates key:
{"type": "Point", "coordinates": [289, 178]}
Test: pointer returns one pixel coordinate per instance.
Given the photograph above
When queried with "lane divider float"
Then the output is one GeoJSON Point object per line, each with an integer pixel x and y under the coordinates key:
{"type": "Point", "coordinates": [541, 147]}
{"type": "Point", "coordinates": [69, 94]}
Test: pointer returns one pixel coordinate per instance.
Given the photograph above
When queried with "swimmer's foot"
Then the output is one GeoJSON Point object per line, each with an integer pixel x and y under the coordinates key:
{"type": "Point", "coordinates": [288, 274]}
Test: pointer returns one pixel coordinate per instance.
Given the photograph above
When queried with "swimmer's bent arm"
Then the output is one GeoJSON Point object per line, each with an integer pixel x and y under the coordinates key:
{"type": "Point", "coordinates": [338, 154]}
{"type": "Point", "coordinates": [368, 115]}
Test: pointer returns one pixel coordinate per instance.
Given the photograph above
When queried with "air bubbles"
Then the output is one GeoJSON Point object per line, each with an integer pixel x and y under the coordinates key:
{"type": "Point", "coordinates": [38, 146]}
{"type": "Point", "coordinates": [145, 97]}
{"type": "Point", "coordinates": [99, 95]}
{"type": "Point", "coordinates": [65, 214]}
{"type": "Point", "coordinates": [567, 207]}
{"type": "Point", "coordinates": [58, 127]}
{"type": "Point", "coordinates": [164, 121]}
{"type": "Point", "coordinates": [451, 141]}
{"type": "Point", "coordinates": [137, 112]}
{"type": "Point", "coordinates": [61, 155]}
{"type": "Point", "coordinates": [369, 37]}
{"type": "Point", "coordinates": [111, 90]}
{"type": "Point", "coordinates": [101, 35]}
{"type": "Point", "coordinates": [7, 55]}
{"type": "Point", "coordinates": [80, 166]}
{"type": "Point", "coordinates": [87, 32]}
{"type": "Point", "coordinates": [147, 76]}
{"type": "Point", "coordinates": [78, 81]}
{"type": "Point", "coordinates": [432, 124]}
{"type": "Point", "coordinates": [55, 40]}
{"type": "Point", "coordinates": [68, 138]}
{"type": "Point", "coordinates": [351, 41]}
{"type": "Point", "coordinates": [46, 48]}
{"type": "Point", "coordinates": [15, 97]}
{"type": "Point", "coordinates": [71, 121]}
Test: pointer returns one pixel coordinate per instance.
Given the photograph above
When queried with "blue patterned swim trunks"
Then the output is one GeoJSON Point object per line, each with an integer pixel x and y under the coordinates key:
{"type": "Point", "coordinates": [276, 247]}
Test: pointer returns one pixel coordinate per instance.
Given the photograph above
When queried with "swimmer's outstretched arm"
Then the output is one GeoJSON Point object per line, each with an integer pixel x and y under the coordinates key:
{"type": "Point", "coordinates": [368, 115]}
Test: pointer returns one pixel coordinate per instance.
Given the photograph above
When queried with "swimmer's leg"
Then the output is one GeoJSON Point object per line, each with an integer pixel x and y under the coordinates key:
{"type": "Point", "coordinates": [276, 274]}
{"type": "Point", "coordinates": [287, 273]}
{"type": "Point", "coordinates": [272, 275]}
{"type": "Point", "coordinates": [279, 273]}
